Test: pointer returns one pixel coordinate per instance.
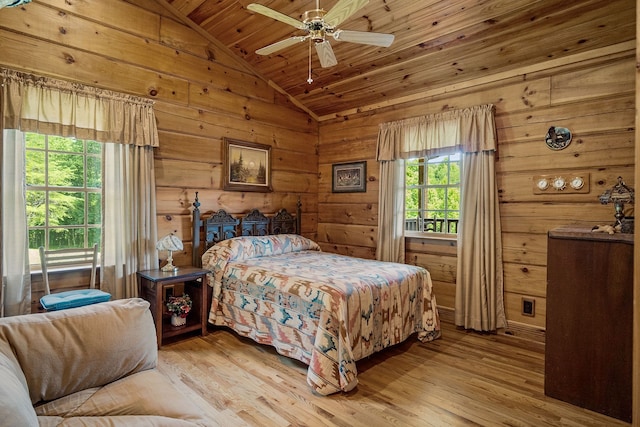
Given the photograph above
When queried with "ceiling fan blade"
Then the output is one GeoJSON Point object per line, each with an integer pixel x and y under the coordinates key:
{"type": "Point", "coordinates": [325, 54]}
{"type": "Point", "coordinates": [263, 10]}
{"type": "Point", "coordinates": [342, 10]}
{"type": "Point", "coordinates": [362, 37]}
{"type": "Point", "coordinates": [268, 50]}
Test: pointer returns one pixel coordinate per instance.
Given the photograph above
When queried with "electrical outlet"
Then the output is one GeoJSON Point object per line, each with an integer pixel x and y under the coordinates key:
{"type": "Point", "coordinates": [528, 307]}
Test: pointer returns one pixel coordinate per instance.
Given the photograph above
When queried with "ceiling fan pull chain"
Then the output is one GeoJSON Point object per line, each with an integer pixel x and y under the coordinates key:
{"type": "Point", "coordinates": [310, 80]}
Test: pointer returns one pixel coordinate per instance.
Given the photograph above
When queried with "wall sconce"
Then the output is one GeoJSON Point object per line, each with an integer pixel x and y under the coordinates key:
{"type": "Point", "coordinates": [169, 243]}
{"type": "Point", "coordinates": [619, 195]}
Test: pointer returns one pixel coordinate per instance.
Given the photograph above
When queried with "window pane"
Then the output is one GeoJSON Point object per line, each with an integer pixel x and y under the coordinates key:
{"type": "Point", "coordinates": [413, 174]}
{"type": "Point", "coordinates": [36, 209]}
{"type": "Point", "coordinates": [94, 172]}
{"type": "Point", "coordinates": [438, 174]}
{"type": "Point", "coordinates": [35, 167]}
{"type": "Point", "coordinates": [435, 198]}
{"type": "Point", "coordinates": [453, 198]}
{"type": "Point", "coordinates": [63, 238]}
{"type": "Point", "coordinates": [33, 140]}
{"type": "Point", "coordinates": [94, 236]}
{"type": "Point", "coordinates": [94, 147]}
{"type": "Point", "coordinates": [36, 238]}
{"type": "Point", "coordinates": [66, 170]}
{"type": "Point", "coordinates": [94, 213]}
{"type": "Point", "coordinates": [412, 199]}
{"type": "Point", "coordinates": [59, 143]}
{"type": "Point", "coordinates": [66, 208]}
{"type": "Point", "coordinates": [454, 173]}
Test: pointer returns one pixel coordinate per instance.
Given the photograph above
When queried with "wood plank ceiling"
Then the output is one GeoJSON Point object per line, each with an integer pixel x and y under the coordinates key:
{"type": "Point", "coordinates": [437, 43]}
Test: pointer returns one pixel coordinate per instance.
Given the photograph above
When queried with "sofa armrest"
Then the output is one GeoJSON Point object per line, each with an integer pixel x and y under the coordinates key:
{"type": "Point", "coordinates": [63, 352]}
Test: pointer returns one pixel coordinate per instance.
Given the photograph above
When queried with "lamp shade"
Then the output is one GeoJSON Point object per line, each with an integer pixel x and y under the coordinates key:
{"type": "Point", "coordinates": [169, 243]}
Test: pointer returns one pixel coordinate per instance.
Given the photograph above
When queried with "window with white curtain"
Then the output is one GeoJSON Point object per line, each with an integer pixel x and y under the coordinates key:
{"type": "Point", "coordinates": [63, 192]}
{"type": "Point", "coordinates": [433, 196]}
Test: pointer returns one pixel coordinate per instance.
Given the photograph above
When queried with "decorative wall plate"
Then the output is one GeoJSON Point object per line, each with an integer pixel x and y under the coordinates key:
{"type": "Point", "coordinates": [558, 138]}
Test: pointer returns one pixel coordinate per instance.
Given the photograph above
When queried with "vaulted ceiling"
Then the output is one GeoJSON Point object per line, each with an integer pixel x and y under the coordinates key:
{"type": "Point", "coordinates": [438, 43]}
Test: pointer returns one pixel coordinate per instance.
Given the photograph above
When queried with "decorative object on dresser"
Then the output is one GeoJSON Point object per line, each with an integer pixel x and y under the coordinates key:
{"type": "Point", "coordinates": [620, 194]}
{"type": "Point", "coordinates": [169, 243]}
{"type": "Point", "coordinates": [247, 166]}
{"type": "Point", "coordinates": [589, 330]}
{"type": "Point", "coordinates": [349, 177]}
{"type": "Point", "coordinates": [282, 290]}
{"type": "Point", "coordinates": [158, 287]}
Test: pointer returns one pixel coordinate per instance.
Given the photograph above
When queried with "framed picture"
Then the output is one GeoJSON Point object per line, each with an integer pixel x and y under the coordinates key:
{"type": "Point", "coordinates": [349, 177]}
{"type": "Point", "coordinates": [247, 166]}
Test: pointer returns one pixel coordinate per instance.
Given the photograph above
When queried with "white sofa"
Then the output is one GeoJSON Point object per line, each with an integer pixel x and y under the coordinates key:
{"type": "Point", "coordinates": [88, 366]}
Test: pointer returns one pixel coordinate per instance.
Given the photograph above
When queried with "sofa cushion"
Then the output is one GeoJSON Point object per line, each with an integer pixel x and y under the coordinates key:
{"type": "Point", "coordinates": [144, 393]}
{"type": "Point", "coordinates": [15, 405]}
{"type": "Point", "coordinates": [62, 352]}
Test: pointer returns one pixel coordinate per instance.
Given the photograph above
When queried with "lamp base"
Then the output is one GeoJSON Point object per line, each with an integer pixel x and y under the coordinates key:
{"type": "Point", "coordinates": [169, 268]}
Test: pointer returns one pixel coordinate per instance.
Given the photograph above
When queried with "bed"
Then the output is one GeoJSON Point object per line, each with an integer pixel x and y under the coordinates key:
{"type": "Point", "coordinates": [326, 310]}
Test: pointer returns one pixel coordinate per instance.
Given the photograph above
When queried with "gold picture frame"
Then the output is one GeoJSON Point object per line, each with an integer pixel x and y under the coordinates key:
{"type": "Point", "coordinates": [247, 166]}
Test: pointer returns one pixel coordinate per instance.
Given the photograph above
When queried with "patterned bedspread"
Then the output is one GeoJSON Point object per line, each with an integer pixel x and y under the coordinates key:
{"type": "Point", "coordinates": [323, 309]}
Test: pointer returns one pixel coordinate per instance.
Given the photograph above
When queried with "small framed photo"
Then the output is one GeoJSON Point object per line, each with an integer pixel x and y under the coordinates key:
{"type": "Point", "coordinates": [349, 177]}
{"type": "Point", "coordinates": [247, 166]}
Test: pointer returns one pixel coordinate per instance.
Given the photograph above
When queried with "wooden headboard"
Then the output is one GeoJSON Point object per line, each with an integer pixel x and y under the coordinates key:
{"type": "Point", "coordinates": [221, 225]}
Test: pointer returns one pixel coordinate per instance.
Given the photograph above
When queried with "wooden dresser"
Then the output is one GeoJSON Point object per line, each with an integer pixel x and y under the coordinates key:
{"type": "Point", "coordinates": [589, 334]}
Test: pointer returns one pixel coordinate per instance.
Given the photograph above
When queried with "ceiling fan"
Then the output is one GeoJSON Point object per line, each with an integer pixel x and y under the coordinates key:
{"type": "Point", "coordinates": [318, 25]}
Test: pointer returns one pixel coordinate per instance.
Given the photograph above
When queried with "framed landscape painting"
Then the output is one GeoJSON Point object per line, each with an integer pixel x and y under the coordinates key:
{"type": "Point", "coordinates": [247, 166]}
{"type": "Point", "coordinates": [349, 177]}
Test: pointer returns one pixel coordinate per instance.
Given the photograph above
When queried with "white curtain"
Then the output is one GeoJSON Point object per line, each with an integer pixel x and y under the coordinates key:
{"type": "Point", "coordinates": [129, 234]}
{"type": "Point", "coordinates": [16, 278]}
{"type": "Point", "coordinates": [127, 126]}
{"type": "Point", "coordinates": [471, 131]}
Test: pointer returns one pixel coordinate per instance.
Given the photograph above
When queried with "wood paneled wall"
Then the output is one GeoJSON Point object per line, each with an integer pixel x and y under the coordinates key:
{"type": "Point", "coordinates": [592, 94]}
{"type": "Point", "coordinates": [202, 95]}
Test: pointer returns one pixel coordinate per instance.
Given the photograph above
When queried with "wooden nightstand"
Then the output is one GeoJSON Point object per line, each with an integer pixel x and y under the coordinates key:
{"type": "Point", "coordinates": [156, 286]}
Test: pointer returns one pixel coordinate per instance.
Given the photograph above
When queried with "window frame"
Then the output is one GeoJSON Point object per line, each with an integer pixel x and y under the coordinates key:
{"type": "Point", "coordinates": [423, 186]}
{"type": "Point", "coordinates": [46, 187]}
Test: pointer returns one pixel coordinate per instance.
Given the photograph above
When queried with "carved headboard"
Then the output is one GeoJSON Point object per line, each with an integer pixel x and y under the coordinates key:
{"type": "Point", "coordinates": [221, 226]}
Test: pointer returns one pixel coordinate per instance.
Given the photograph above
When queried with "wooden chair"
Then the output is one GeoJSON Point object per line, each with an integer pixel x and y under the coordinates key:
{"type": "Point", "coordinates": [70, 258]}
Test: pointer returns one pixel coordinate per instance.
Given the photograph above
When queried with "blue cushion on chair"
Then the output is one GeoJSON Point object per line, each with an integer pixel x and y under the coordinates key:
{"type": "Point", "coordinates": [70, 299]}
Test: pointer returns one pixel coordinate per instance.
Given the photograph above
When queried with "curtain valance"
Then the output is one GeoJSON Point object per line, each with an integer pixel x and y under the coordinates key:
{"type": "Point", "coordinates": [470, 130]}
{"type": "Point", "coordinates": [55, 107]}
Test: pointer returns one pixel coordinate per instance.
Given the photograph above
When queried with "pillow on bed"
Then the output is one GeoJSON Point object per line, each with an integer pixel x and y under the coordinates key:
{"type": "Point", "coordinates": [247, 247]}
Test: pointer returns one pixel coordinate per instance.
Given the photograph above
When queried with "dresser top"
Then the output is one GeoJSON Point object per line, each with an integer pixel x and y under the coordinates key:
{"type": "Point", "coordinates": [582, 232]}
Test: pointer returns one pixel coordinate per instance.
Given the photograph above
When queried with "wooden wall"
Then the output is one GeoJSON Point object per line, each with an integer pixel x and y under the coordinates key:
{"type": "Point", "coordinates": [592, 94]}
{"type": "Point", "coordinates": [202, 95]}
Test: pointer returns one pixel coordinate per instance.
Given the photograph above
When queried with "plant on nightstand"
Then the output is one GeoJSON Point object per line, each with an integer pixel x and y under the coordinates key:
{"type": "Point", "coordinates": [179, 307]}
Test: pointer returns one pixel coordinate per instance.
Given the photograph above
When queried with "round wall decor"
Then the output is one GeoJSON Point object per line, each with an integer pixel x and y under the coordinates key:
{"type": "Point", "coordinates": [558, 138]}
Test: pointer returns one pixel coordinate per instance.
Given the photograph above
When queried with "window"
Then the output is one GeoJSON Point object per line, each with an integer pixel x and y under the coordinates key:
{"type": "Point", "coordinates": [64, 193]}
{"type": "Point", "coordinates": [432, 202]}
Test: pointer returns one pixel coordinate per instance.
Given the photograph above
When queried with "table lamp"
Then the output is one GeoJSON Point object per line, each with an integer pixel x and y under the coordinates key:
{"type": "Point", "coordinates": [169, 243]}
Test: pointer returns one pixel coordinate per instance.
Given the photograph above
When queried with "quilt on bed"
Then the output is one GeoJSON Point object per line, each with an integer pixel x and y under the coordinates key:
{"type": "Point", "coordinates": [326, 310]}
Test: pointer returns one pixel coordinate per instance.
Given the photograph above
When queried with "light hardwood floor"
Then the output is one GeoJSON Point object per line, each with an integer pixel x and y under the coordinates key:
{"type": "Point", "coordinates": [461, 379]}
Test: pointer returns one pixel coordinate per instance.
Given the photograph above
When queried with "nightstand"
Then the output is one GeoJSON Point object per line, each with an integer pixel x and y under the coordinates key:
{"type": "Point", "coordinates": [156, 286]}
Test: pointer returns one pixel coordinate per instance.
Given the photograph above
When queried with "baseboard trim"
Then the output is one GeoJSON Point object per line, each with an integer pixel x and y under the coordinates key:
{"type": "Point", "coordinates": [514, 330]}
